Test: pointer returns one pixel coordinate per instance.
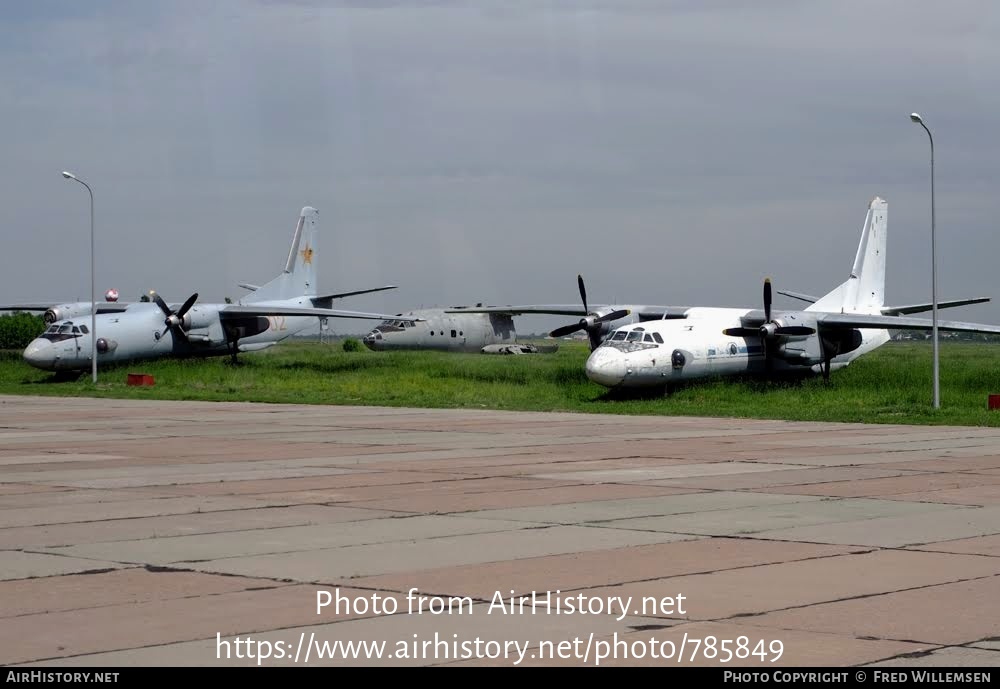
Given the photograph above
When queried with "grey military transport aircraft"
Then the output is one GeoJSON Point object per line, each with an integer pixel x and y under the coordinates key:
{"type": "Point", "coordinates": [491, 328]}
{"type": "Point", "coordinates": [837, 328]}
{"type": "Point", "coordinates": [136, 331]}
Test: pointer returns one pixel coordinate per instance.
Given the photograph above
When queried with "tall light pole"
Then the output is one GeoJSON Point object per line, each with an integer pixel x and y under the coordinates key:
{"type": "Point", "coordinates": [937, 395]}
{"type": "Point", "coordinates": [93, 293]}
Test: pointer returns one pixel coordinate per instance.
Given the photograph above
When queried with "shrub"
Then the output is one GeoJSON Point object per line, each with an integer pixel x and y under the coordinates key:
{"type": "Point", "coordinates": [352, 345]}
{"type": "Point", "coordinates": [18, 329]}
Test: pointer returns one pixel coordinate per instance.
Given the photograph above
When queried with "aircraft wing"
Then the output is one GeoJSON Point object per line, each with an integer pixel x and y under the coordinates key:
{"type": "Point", "coordinates": [263, 310]}
{"type": "Point", "coordinates": [555, 309]}
{"type": "Point", "coordinates": [851, 320]}
{"type": "Point", "coordinates": [102, 306]}
{"type": "Point", "coordinates": [646, 312]}
{"type": "Point", "coordinates": [919, 308]}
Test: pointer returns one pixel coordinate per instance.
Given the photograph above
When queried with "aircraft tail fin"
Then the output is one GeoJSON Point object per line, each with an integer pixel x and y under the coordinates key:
{"type": "Point", "coordinates": [864, 290]}
{"type": "Point", "coordinates": [299, 276]}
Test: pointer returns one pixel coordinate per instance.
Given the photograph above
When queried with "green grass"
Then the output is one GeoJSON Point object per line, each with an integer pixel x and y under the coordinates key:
{"type": "Point", "coordinates": [890, 385]}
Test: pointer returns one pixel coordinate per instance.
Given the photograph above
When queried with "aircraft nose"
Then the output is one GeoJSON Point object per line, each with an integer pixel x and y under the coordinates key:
{"type": "Point", "coordinates": [607, 367]}
{"type": "Point", "coordinates": [40, 353]}
{"type": "Point", "coordinates": [369, 340]}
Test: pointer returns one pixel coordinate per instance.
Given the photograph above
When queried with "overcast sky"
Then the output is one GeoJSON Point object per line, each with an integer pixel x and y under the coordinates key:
{"type": "Point", "coordinates": [671, 152]}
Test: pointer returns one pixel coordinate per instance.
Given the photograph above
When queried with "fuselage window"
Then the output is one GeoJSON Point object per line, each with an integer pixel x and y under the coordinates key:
{"type": "Point", "coordinates": [454, 333]}
{"type": "Point", "coordinates": [618, 336]}
{"type": "Point", "coordinates": [656, 336]}
{"type": "Point", "coordinates": [461, 334]}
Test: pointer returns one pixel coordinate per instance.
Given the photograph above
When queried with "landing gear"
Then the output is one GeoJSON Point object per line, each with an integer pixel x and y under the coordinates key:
{"type": "Point", "coordinates": [826, 370]}
{"type": "Point", "coordinates": [232, 343]}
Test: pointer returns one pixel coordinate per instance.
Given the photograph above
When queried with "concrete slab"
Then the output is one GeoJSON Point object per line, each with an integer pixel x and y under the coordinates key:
{"type": "Point", "coordinates": [784, 477]}
{"type": "Point", "coordinates": [652, 474]}
{"type": "Point", "coordinates": [15, 564]}
{"type": "Point", "coordinates": [981, 495]}
{"type": "Point", "coordinates": [947, 614]}
{"type": "Point", "coordinates": [582, 570]}
{"type": "Point", "coordinates": [366, 560]}
{"type": "Point", "coordinates": [764, 519]}
{"type": "Point", "coordinates": [947, 657]}
{"type": "Point", "coordinates": [202, 548]}
{"type": "Point", "coordinates": [804, 584]}
{"type": "Point", "coordinates": [51, 635]}
{"type": "Point", "coordinates": [117, 587]}
{"type": "Point", "coordinates": [896, 532]}
{"type": "Point", "coordinates": [927, 484]}
{"type": "Point", "coordinates": [151, 529]}
{"type": "Point", "coordinates": [982, 545]}
{"type": "Point", "coordinates": [608, 510]}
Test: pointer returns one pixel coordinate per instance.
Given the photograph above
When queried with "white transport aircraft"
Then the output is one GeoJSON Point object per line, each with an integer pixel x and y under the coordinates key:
{"type": "Point", "coordinates": [836, 329]}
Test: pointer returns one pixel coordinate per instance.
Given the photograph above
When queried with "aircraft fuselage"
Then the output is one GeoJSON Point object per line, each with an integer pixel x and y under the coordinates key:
{"type": "Point", "coordinates": [140, 334]}
{"type": "Point", "coordinates": [696, 347]}
{"type": "Point", "coordinates": [453, 332]}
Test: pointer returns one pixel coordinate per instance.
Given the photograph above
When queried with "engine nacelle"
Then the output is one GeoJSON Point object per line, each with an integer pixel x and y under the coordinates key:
{"type": "Point", "coordinates": [64, 312]}
{"type": "Point", "coordinates": [198, 318]}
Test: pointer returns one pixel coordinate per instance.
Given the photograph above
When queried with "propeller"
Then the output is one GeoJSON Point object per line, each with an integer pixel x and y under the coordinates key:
{"type": "Point", "coordinates": [769, 329]}
{"type": "Point", "coordinates": [590, 323]}
{"type": "Point", "coordinates": [174, 319]}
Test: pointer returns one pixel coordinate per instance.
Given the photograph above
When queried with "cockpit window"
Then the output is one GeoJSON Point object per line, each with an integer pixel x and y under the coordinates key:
{"type": "Point", "coordinates": [647, 338]}
{"type": "Point", "coordinates": [84, 330]}
{"type": "Point", "coordinates": [58, 333]}
{"type": "Point", "coordinates": [635, 336]}
{"type": "Point", "coordinates": [656, 336]}
{"type": "Point", "coordinates": [620, 335]}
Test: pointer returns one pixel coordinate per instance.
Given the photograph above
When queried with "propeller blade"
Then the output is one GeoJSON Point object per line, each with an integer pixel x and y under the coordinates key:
{"type": "Point", "coordinates": [566, 330]}
{"type": "Point", "coordinates": [159, 302]}
{"type": "Point", "coordinates": [767, 300]}
{"type": "Point", "coordinates": [614, 315]}
{"type": "Point", "coordinates": [187, 305]}
{"type": "Point", "coordinates": [794, 330]}
{"type": "Point", "coordinates": [583, 292]}
{"type": "Point", "coordinates": [741, 332]}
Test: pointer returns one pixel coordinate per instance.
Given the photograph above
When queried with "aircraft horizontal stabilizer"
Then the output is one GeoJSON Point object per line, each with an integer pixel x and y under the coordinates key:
{"type": "Point", "coordinates": [799, 296]}
{"type": "Point", "coordinates": [264, 310]}
{"type": "Point", "coordinates": [920, 308]}
{"type": "Point", "coordinates": [853, 320]}
{"type": "Point", "coordinates": [323, 301]}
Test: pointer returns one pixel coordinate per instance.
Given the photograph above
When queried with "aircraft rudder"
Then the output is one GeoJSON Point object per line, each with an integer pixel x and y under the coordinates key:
{"type": "Point", "coordinates": [864, 290]}
{"type": "Point", "coordinates": [299, 275]}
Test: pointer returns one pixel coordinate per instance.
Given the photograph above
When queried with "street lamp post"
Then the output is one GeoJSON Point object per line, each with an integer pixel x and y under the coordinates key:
{"type": "Point", "coordinates": [915, 117]}
{"type": "Point", "coordinates": [93, 293]}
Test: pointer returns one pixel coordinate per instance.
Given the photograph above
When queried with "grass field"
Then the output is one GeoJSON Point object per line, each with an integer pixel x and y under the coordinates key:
{"type": "Point", "coordinates": [890, 385]}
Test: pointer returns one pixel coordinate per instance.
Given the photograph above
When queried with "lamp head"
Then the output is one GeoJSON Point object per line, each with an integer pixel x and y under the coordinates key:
{"type": "Point", "coordinates": [68, 175]}
{"type": "Point", "coordinates": [916, 118]}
